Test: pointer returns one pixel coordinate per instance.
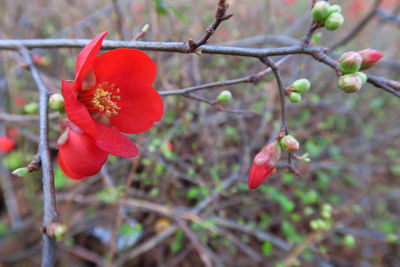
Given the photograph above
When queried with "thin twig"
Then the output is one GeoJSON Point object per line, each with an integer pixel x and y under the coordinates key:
{"type": "Point", "coordinates": [118, 19]}
{"type": "Point", "coordinates": [220, 16]}
{"type": "Point", "coordinates": [49, 199]}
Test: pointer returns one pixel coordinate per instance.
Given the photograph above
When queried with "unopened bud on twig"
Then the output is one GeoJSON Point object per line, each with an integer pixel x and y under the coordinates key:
{"type": "Point", "coordinates": [362, 76]}
{"type": "Point", "coordinates": [56, 230]}
{"type": "Point", "coordinates": [224, 97]}
{"type": "Point", "coordinates": [21, 172]}
{"type": "Point", "coordinates": [350, 83]}
{"type": "Point", "coordinates": [294, 97]}
{"type": "Point", "coordinates": [350, 62]}
{"type": "Point", "coordinates": [301, 86]}
{"type": "Point", "coordinates": [31, 108]}
{"type": "Point", "coordinates": [334, 9]}
{"type": "Point", "coordinates": [289, 143]}
{"type": "Point", "coordinates": [334, 21]}
{"type": "Point", "coordinates": [56, 102]}
{"type": "Point", "coordinates": [320, 11]}
{"type": "Point", "coordinates": [369, 58]}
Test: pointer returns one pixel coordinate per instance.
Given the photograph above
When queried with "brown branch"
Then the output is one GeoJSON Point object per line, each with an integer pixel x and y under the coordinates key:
{"type": "Point", "coordinates": [220, 16]}
{"type": "Point", "coordinates": [316, 52]}
{"type": "Point", "coordinates": [49, 199]}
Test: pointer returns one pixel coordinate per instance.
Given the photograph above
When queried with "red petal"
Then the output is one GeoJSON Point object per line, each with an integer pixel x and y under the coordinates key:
{"type": "Point", "coordinates": [87, 56]}
{"type": "Point", "coordinates": [125, 63]}
{"type": "Point", "coordinates": [113, 142]}
{"type": "Point", "coordinates": [257, 175]}
{"type": "Point", "coordinates": [133, 72]}
{"type": "Point", "coordinates": [79, 157]}
{"type": "Point", "coordinates": [76, 111]}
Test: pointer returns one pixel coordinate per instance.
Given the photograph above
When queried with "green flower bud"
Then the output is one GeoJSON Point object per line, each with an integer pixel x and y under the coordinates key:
{"type": "Point", "coordinates": [289, 143]}
{"type": "Point", "coordinates": [320, 11]}
{"type": "Point", "coordinates": [334, 9]}
{"type": "Point", "coordinates": [59, 231]}
{"type": "Point", "coordinates": [21, 172]}
{"type": "Point", "coordinates": [362, 76]}
{"type": "Point", "coordinates": [334, 21]}
{"type": "Point", "coordinates": [224, 97]}
{"type": "Point", "coordinates": [56, 102]}
{"type": "Point", "coordinates": [31, 108]}
{"type": "Point", "coordinates": [349, 241]}
{"type": "Point", "coordinates": [350, 62]}
{"type": "Point", "coordinates": [350, 83]}
{"type": "Point", "coordinates": [294, 97]}
{"type": "Point", "coordinates": [301, 86]}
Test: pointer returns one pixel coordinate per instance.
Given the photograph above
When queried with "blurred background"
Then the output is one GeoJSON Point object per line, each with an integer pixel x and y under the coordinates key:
{"type": "Point", "coordinates": [188, 203]}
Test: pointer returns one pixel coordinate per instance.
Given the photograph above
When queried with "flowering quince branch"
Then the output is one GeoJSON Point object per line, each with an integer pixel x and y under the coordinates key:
{"type": "Point", "coordinates": [179, 47]}
{"type": "Point", "coordinates": [49, 201]}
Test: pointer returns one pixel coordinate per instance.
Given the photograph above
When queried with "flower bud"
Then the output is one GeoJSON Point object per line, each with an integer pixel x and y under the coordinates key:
{"type": "Point", "coordinates": [334, 9]}
{"type": "Point", "coordinates": [362, 76]}
{"type": "Point", "coordinates": [289, 143]}
{"type": "Point", "coordinates": [31, 108]}
{"type": "Point", "coordinates": [41, 60]}
{"type": "Point", "coordinates": [320, 11]}
{"type": "Point", "coordinates": [56, 102]}
{"type": "Point", "coordinates": [294, 97]}
{"type": "Point", "coordinates": [369, 57]}
{"type": "Point", "coordinates": [350, 62]}
{"type": "Point", "coordinates": [21, 172]}
{"type": "Point", "coordinates": [57, 230]}
{"type": "Point", "coordinates": [264, 164]}
{"type": "Point", "coordinates": [224, 97]}
{"type": "Point", "coordinates": [350, 83]}
{"type": "Point", "coordinates": [334, 21]}
{"type": "Point", "coordinates": [6, 144]}
{"type": "Point", "coordinates": [301, 86]}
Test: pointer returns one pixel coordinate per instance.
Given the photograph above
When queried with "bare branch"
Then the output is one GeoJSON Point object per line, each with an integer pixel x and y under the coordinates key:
{"type": "Point", "coordinates": [49, 199]}
{"type": "Point", "coordinates": [220, 16]}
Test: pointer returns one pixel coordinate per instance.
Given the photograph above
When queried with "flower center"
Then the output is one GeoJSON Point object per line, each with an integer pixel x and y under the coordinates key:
{"type": "Point", "coordinates": [103, 99]}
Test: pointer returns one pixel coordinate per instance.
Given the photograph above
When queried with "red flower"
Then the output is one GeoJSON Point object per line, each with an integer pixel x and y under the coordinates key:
{"type": "Point", "coordinates": [116, 89]}
{"type": "Point", "coordinates": [90, 160]}
{"type": "Point", "coordinates": [6, 144]}
{"type": "Point", "coordinates": [111, 93]}
{"type": "Point", "coordinates": [263, 164]}
{"type": "Point", "coordinates": [369, 58]}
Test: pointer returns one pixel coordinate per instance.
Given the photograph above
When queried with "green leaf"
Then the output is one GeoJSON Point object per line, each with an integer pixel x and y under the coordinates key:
{"type": "Point", "coordinates": [267, 248]}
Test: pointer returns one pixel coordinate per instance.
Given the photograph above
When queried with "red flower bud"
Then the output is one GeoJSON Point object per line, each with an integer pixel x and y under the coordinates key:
{"type": "Point", "coordinates": [350, 62]}
{"type": "Point", "coordinates": [369, 58]}
{"type": "Point", "coordinates": [6, 144]}
{"type": "Point", "coordinates": [263, 164]}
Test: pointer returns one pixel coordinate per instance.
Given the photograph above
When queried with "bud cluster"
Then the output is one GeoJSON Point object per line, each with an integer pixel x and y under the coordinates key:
{"type": "Point", "coordinates": [329, 16]}
{"type": "Point", "coordinates": [350, 63]}
{"type": "Point", "coordinates": [296, 89]}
